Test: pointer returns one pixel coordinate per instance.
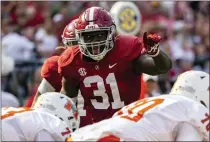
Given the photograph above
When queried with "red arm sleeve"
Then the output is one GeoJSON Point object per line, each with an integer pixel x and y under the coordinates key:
{"type": "Point", "coordinates": [135, 49]}
{"type": "Point", "coordinates": [29, 101]}
{"type": "Point", "coordinates": [143, 87]}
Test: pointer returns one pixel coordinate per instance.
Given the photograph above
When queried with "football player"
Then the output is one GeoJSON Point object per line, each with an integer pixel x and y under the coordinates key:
{"type": "Point", "coordinates": [51, 79]}
{"type": "Point", "coordinates": [53, 118]}
{"type": "Point", "coordinates": [183, 115]}
{"type": "Point", "coordinates": [106, 67]}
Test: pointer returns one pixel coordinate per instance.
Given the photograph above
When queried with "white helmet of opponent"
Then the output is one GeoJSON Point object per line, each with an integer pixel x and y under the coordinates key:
{"type": "Point", "coordinates": [127, 17]}
{"type": "Point", "coordinates": [193, 85]}
{"type": "Point", "coordinates": [61, 106]}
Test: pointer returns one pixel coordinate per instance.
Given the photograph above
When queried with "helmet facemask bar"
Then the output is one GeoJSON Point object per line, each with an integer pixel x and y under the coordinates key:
{"type": "Point", "coordinates": [96, 50]}
{"type": "Point", "coordinates": [69, 41]}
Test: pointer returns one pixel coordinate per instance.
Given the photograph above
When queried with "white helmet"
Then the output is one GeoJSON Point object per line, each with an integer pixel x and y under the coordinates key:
{"type": "Point", "coordinates": [127, 18]}
{"type": "Point", "coordinates": [61, 106]}
{"type": "Point", "coordinates": [194, 85]}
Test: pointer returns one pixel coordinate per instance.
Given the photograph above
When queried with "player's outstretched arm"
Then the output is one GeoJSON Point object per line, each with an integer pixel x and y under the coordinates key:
{"type": "Point", "coordinates": [155, 61]}
{"type": "Point", "coordinates": [70, 89]}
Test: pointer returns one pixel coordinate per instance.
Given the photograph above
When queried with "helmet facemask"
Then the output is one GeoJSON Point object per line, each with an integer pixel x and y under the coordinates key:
{"type": "Point", "coordinates": [96, 49]}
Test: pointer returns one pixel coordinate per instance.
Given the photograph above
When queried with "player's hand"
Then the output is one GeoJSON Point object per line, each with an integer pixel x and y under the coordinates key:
{"type": "Point", "coordinates": [151, 44]}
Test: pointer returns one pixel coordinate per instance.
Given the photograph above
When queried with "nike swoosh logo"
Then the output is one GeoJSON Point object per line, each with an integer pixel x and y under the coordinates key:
{"type": "Point", "coordinates": [111, 66]}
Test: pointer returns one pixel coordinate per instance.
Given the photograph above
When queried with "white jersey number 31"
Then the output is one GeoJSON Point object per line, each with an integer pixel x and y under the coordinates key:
{"type": "Point", "coordinates": [101, 91]}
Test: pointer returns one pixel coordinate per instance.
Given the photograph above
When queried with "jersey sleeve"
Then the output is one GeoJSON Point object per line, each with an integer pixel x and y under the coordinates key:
{"type": "Point", "coordinates": [186, 132]}
{"type": "Point", "coordinates": [135, 49]}
{"type": "Point", "coordinates": [50, 72]}
{"type": "Point", "coordinates": [200, 119]}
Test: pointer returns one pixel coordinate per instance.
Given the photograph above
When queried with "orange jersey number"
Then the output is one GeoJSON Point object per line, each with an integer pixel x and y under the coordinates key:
{"type": "Point", "coordinates": [9, 111]}
{"type": "Point", "coordinates": [139, 108]}
{"type": "Point", "coordinates": [206, 120]}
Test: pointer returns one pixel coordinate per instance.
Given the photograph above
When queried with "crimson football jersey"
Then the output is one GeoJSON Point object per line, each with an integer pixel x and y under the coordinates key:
{"type": "Point", "coordinates": [107, 85]}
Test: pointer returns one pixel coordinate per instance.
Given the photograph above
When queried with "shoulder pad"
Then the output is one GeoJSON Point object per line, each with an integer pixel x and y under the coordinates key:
{"type": "Point", "coordinates": [131, 46]}
{"type": "Point", "coordinates": [67, 56]}
{"type": "Point", "coordinates": [51, 64]}
{"type": "Point", "coordinates": [59, 50]}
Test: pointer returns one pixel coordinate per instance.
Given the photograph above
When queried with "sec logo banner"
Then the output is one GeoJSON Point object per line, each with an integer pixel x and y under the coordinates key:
{"type": "Point", "coordinates": [127, 18]}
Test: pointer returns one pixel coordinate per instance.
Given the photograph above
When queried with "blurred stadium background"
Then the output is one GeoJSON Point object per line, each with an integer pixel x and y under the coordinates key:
{"type": "Point", "coordinates": [30, 31]}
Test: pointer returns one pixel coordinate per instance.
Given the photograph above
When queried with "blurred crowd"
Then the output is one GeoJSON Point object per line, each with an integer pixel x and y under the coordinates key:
{"type": "Point", "coordinates": [30, 31]}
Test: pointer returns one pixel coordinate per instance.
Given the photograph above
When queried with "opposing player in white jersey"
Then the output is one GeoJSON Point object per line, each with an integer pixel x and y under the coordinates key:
{"type": "Point", "coordinates": [183, 115]}
{"type": "Point", "coordinates": [53, 118]}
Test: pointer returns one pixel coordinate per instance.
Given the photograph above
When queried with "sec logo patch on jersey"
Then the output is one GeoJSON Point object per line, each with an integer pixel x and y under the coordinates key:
{"type": "Point", "coordinates": [82, 71]}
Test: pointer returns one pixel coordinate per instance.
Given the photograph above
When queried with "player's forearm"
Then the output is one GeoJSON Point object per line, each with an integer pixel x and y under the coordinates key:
{"type": "Point", "coordinates": [69, 89]}
{"type": "Point", "coordinates": [162, 63]}
{"type": "Point", "coordinates": [152, 65]}
{"type": "Point", "coordinates": [69, 94]}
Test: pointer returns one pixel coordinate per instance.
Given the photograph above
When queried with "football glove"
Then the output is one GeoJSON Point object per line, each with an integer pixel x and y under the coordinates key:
{"type": "Point", "coordinates": [151, 44]}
